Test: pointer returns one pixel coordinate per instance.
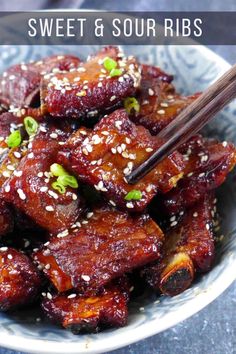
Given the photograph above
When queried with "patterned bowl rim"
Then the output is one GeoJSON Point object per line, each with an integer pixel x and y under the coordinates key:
{"type": "Point", "coordinates": [152, 327]}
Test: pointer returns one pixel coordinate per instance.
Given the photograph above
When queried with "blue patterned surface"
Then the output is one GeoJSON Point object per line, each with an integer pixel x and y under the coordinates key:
{"type": "Point", "coordinates": [194, 70]}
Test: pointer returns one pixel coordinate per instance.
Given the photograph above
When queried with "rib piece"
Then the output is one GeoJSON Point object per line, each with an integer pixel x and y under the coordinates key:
{"type": "Point", "coordinates": [9, 160]}
{"type": "Point", "coordinates": [90, 89]}
{"type": "Point", "coordinates": [155, 72]}
{"type": "Point", "coordinates": [89, 314]}
{"type": "Point", "coordinates": [208, 164]}
{"type": "Point", "coordinates": [29, 189]}
{"type": "Point", "coordinates": [159, 104]}
{"type": "Point", "coordinates": [111, 151]}
{"type": "Point", "coordinates": [107, 245]}
{"type": "Point", "coordinates": [188, 247]}
{"type": "Point", "coordinates": [19, 279]}
{"type": "Point", "coordinates": [19, 85]}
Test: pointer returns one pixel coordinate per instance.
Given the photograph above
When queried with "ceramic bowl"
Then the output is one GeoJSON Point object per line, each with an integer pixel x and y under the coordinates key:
{"type": "Point", "coordinates": [195, 68]}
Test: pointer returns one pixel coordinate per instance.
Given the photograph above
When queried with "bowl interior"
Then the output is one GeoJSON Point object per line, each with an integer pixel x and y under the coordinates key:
{"type": "Point", "coordinates": [194, 69]}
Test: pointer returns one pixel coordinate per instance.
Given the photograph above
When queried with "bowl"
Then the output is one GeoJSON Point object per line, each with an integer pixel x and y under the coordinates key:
{"type": "Point", "coordinates": [194, 68]}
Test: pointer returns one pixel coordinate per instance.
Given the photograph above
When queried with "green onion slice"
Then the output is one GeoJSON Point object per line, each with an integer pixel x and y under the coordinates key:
{"type": "Point", "coordinates": [14, 139]}
{"type": "Point", "coordinates": [109, 63]}
{"type": "Point", "coordinates": [115, 72]}
{"type": "Point", "coordinates": [134, 195]}
{"type": "Point", "coordinates": [130, 104]}
{"type": "Point", "coordinates": [58, 170]}
{"type": "Point", "coordinates": [68, 180]}
{"type": "Point", "coordinates": [31, 126]}
{"type": "Point", "coordinates": [59, 187]}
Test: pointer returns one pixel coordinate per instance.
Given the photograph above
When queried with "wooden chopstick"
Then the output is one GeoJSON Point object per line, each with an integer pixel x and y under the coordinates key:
{"type": "Point", "coordinates": [190, 121]}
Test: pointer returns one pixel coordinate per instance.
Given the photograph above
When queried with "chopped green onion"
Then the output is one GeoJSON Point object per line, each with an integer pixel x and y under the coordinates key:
{"type": "Point", "coordinates": [130, 104]}
{"type": "Point", "coordinates": [134, 195]}
{"type": "Point", "coordinates": [31, 126]}
{"type": "Point", "coordinates": [14, 139]}
{"type": "Point", "coordinates": [115, 72]}
{"type": "Point", "coordinates": [58, 170]}
{"type": "Point", "coordinates": [59, 187]}
{"type": "Point", "coordinates": [109, 63]}
{"type": "Point", "coordinates": [68, 180]}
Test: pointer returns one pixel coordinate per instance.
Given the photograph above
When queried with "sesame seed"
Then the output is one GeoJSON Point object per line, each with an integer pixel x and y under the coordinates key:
{"type": "Point", "coordinates": [43, 189]}
{"type": "Point", "coordinates": [74, 196]}
{"type": "Point", "coordinates": [46, 252]}
{"type": "Point", "coordinates": [190, 174]}
{"type": "Point", "coordinates": [21, 194]}
{"type": "Point", "coordinates": [3, 249]}
{"type": "Point", "coordinates": [149, 149]}
{"type": "Point", "coordinates": [49, 296]}
{"type": "Point", "coordinates": [172, 218]}
{"type": "Point", "coordinates": [202, 174]}
{"type": "Point", "coordinates": [119, 149]}
{"type": "Point", "coordinates": [53, 194]}
{"type": "Point", "coordinates": [112, 98]}
{"type": "Point", "coordinates": [18, 173]}
{"type": "Point", "coordinates": [63, 234]}
{"type": "Point", "coordinates": [81, 93]}
{"type": "Point", "coordinates": [126, 171]}
{"type": "Point", "coordinates": [207, 226]}
{"type": "Point", "coordinates": [161, 111]}
{"type": "Point", "coordinates": [54, 135]}
{"type": "Point", "coordinates": [89, 148]}
{"type": "Point", "coordinates": [118, 124]}
{"type": "Point", "coordinates": [6, 174]}
{"type": "Point", "coordinates": [96, 139]}
{"type": "Point", "coordinates": [49, 208]}
{"type": "Point", "coordinates": [164, 104]}
{"type": "Point", "coordinates": [85, 277]}
{"type": "Point", "coordinates": [141, 309]}
{"type": "Point", "coordinates": [224, 143]}
{"type": "Point", "coordinates": [17, 154]}
{"type": "Point", "coordinates": [148, 189]}
{"type": "Point", "coordinates": [7, 188]}
{"type": "Point", "coordinates": [85, 151]}
{"type": "Point", "coordinates": [47, 266]}
{"type": "Point", "coordinates": [130, 205]}
{"type": "Point", "coordinates": [100, 84]}
{"type": "Point", "coordinates": [71, 296]}
{"type": "Point", "coordinates": [195, 215]}
{"type": "Point", "coordinates": [89, 215]}
{"type": "Point", "coordinates": [23, 67]}
{"type": "Point", "coordinates": [150, 92]}
{"type": "Point", "coordinates": [112, 203]}
{"type": "Point", "coordinates": [31, 155]}
{"type": "Point", "coordinates": [174, 223]}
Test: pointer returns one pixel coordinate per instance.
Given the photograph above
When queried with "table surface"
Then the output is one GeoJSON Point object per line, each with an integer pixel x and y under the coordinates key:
{"type": "Point", "coordinates": [212, 330]}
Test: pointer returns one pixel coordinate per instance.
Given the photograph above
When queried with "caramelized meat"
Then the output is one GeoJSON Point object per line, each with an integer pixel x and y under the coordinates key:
{"type": "Point", "coordinates": [106, 246]}
{"type": "Point", "coordinates": [19, 85]}
{"type": "Point", "coordinates": [30, 190]}
{"type": "Point", "coordinates": [208, 164]}
{"type": "Point", "coordinates": [188, 247]}
{"type": "Point", "coordinates": [111, 151]}
{"type": "Point", "coordinates": [159, 104]}
{"type": "Point", "coordinates": [6, 218]}
{"type": "Point", "coordinates": [154, 72]}
{"type": "Point", "coordinates": [19, 279]}
{"type": "Point", "coordinates": [89, 314]}
{"type": "Point", "coordinates": [90, 89]}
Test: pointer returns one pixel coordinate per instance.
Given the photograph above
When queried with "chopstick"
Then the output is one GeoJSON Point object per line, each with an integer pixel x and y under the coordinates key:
{"type": "Point", "coordinates": [190, 121]}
